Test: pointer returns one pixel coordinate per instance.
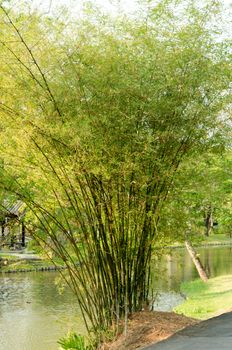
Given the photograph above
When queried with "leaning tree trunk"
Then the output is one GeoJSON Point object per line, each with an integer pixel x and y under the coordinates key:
{"type": "Point", "coordinates": [197, 262]}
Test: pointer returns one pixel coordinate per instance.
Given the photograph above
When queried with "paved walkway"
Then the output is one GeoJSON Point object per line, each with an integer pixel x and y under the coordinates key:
{"type": "Point", "coordinates": [213, 334]}
{"type": "Point", "coordinates": [21, 254]}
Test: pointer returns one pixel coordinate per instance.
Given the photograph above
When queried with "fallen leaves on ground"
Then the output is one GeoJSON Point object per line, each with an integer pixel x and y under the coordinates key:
{"type": "Point", "coordinates": [148, 327]}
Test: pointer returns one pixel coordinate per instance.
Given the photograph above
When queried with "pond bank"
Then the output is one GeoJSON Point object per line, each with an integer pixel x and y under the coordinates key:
{"type": "Point", "coordinates": [206, 300]}
{"type": "Point", "coordinates": [30, 262]}
{"type": "Point", "coordinates": [212, 334]}
{"type": "Point", "coordinates": [149, 327]}
{"type": "Point", "coordinates": [202, 245]}
{"type": "Point", "coordinates": [39, 269]}
{"type": "Point", "coordinates": [13, 262]}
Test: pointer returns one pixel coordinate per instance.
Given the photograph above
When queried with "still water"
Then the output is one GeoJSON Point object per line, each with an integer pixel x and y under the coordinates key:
{"type": "Point", "coordinates": [177, 267]}
{"type": "Point", "coordinates": [34, 315]}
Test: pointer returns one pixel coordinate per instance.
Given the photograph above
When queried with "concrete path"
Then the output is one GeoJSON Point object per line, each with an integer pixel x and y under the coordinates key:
{"type": "Point", "coordinates": [21, 254]}
{"type": "Point", "coordinates": [213, 334]}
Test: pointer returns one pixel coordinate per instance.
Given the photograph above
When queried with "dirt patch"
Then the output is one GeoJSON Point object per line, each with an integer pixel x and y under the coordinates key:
{"type": "Point", "coordinates": [146, 328]}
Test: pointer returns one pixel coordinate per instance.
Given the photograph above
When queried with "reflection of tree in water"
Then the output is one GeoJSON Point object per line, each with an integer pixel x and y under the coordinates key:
{"type": "Point", "coordinates": [173, 268]}
{"type": "Point", "coordinates": [207, 263]}
{"type": "Point", "coordinates": [217, 260]}
{"type": "Point", "coordinates": [46, 291]}
{"type": "Point", "coordinates": [32, 311]}
{"type": "Point", "coordinates": [37, 288]}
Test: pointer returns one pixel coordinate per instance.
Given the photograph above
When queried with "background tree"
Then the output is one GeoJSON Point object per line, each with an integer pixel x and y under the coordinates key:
{"type": "Point", "coordinates": [201, 183]}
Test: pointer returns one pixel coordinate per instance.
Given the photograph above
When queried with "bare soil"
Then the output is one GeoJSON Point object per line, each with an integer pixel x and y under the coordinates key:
{"type": "Point", "coordinates": [149, 327]}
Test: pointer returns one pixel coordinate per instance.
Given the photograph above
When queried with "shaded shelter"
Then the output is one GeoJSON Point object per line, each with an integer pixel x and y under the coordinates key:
{"type": "Point", "coordinates": [13, 231]}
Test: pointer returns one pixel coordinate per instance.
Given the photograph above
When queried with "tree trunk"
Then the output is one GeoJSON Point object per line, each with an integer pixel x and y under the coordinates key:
{"type": "Point", "coordinates": [200, 269]}
{"type": "Point", "coordinates": [23, 235]}
{"type": "Point", "coordinates": [208, 221]}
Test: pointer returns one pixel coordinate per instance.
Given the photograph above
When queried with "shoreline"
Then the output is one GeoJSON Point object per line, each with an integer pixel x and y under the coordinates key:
{"type": "Point", "coordinates": [57, 268]}
{"type": "Point", "coordinates": [201, 245]}
{"type": "Point", "coordinates": [37, 269]}
{"type": "Point", "coordinates": [148, 328]}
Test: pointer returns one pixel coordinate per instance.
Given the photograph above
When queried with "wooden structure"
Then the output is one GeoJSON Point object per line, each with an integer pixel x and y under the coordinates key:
{"type": "Point", "coordinates": [13, 231]}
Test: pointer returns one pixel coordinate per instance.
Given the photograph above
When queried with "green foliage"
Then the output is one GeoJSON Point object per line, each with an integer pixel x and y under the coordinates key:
{"type": "Point", "coordinates": [205, 300]}
{"type": "Point", "coordinates": [201, 183]}
{"type": "Point", "coordinates": [73, 342]}
{"type": "Point", "coordinates": [96, 117]}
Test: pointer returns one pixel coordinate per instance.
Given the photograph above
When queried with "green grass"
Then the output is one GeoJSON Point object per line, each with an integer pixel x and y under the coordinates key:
{"type": "Point", "coordinates": [23, 264]}
{"type": "Point", "coordinates": [217, 238]}
{"type": "Point", "coordinates": [202, 240]}
{"type": "Point", "coordinates": [8, 257]}
{"type": "Point", "coordinates": [205, 300]}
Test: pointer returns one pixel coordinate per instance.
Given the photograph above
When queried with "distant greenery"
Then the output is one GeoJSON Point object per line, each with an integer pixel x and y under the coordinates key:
{"type": "Point", "coordinates": [205, 300]}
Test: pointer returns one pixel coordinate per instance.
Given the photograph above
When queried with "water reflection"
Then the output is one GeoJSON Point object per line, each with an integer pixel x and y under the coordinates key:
{"type": "Point", "coordinates": [33, 315]}
{"type": "Point", "coordinates": [176, 266]}
{"type": "Point", "coordinates": [166, 301]}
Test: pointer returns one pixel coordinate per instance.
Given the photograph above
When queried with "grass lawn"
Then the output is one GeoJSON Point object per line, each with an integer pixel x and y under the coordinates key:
{"type": "Point", "coordinates": [217, 238]}
{"type": "Point", "coordinates": [205, 300]}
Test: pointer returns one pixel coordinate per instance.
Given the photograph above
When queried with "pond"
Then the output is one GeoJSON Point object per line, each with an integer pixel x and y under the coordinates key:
{"type": "Point", "coordinates": [34, 315]}
{"type": "Point", "coordinates": [177, 267]}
